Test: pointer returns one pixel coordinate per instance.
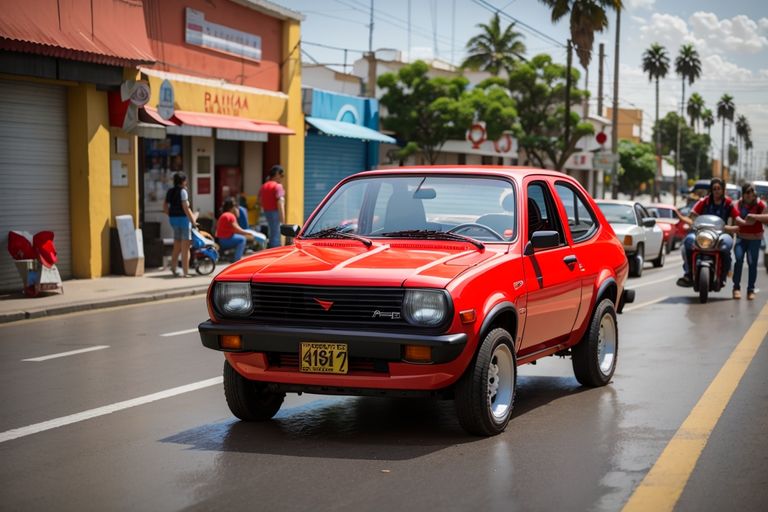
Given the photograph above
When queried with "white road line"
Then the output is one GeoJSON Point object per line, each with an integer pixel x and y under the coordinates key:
{"type": "Point", "coordinates": [107, 409]}
{"type": "Point", "coordinates": [179, 333]}
{"type": "Point", "coordinates": [648, 283]}
{"type": "Point", "coordinates": [65, 354]}
{"type": "Point", "coordinates": [643, 304]}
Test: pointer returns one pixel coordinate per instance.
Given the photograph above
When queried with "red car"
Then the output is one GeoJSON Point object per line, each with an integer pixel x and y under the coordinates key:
{"type": "Point", "coordinates": [424, 281]}
{"type": "Point", "coordinates": [669, 218]}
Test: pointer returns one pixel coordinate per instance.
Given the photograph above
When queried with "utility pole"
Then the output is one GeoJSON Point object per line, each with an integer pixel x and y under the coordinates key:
{"type": "Point", "coordinates": [371, 60]}
{"type": "Point", "coordinates": [600, 81]}
{"type": "Point", "coordinates": [567, 134]}
{"type": "Point", "coordinates": [615, 116]}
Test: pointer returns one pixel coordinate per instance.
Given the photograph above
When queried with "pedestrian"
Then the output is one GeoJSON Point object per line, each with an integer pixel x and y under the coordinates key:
{"type": "Point", "coordinates": [176, 206]}
{"type": "Point", "coordinates": [748, 240]}
{"type": "Point", "coordinates": [272, 198]}
{"type": "Point", "coordinates": [229, 232]}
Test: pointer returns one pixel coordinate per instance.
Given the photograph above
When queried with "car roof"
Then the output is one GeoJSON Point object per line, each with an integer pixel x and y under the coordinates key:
{"type": "Point", "coordinates": [616, 201]}
{"type": "Point", "coordinates": [489, 170]}
{"type": "Point", "coordinates": [660, 205]}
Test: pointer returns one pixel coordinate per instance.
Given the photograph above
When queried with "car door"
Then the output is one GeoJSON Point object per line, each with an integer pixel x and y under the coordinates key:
{"type": "Point", "coordinates": [653, 235]}
{"type": "Point", "coordinates": [552, 275]}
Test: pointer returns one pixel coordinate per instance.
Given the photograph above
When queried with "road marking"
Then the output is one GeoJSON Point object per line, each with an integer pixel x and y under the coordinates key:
{"type": "Point", "coordinates": [643, 304]}
{"type": "Point", "coordinates": [662, 486]}
{"type": "Point", "coordinates": [65, 354]}
{"type": "Point", "coordinates": [179, 333]}
{"type": "Point", "coordinates": [107, 409]}
{"type": "Point", "coordinates": [633, 286]}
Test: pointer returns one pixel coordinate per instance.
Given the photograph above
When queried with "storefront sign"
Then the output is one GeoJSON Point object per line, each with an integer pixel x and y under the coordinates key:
{"type": "Point", "coordinates": [219, 38]}
{"type": "Point", "coordinates": [165, 105]}
{"type": "Point", "coordinates": [203, 185]}
{"type": "Point", "coordinates": [228, 104]}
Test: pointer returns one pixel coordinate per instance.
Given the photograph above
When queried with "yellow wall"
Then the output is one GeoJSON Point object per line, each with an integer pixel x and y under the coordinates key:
{"type": "Point", "coordinates": [292, 147]}
{"type": "Point", "coordinates": [125, 199]}
{"type": "Point", "coordinates": [89, 191]}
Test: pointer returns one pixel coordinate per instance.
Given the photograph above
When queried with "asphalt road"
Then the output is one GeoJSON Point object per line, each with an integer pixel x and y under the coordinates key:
{"type": "Point", "coordinates": [139, 422]}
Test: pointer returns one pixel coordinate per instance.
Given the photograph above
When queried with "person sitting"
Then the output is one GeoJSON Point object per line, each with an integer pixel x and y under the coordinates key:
{"type": "Point", "coordinates": [229, 232]}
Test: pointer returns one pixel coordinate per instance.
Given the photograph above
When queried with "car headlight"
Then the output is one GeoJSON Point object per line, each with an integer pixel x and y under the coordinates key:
{"type": "Point", "coordinates": [428, 308]}
{"type": "Point", "coordinates": [706, 239]}
{"type": "Point", "coordinates": [233, 299]}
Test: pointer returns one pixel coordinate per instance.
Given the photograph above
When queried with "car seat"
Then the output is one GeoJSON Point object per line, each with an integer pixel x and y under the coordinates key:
{"type": "Point", "coordinates": [535, 221]}
{"type": "Point", "coordinates": [404, 212]}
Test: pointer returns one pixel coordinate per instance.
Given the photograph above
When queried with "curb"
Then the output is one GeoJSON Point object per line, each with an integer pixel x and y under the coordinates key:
{"type": "Point", "coordinates": [16, 316]}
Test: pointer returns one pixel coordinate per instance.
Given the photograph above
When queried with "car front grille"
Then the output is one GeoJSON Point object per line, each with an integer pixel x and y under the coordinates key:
{"type": "Point", "coordinates": [333, 306]}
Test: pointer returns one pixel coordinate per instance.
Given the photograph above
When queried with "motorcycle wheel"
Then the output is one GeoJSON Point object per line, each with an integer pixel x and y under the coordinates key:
{"type": "Point", "coordinates": [204, 265]}
{"type": "Point", "coordinates": [703, 284]}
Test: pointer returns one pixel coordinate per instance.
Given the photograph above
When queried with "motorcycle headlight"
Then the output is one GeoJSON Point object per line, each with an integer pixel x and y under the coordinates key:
{"type": "Point", "coordinates": [233, 299]}
{"type": "Point", "coordinates": [706, 239]}
{"type": "Point", "coordinates": [428, 308]}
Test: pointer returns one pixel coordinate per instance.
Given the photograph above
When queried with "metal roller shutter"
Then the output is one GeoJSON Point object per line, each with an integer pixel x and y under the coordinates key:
{"type": "Point", "coordinates": [34, 170]}
{"type": "Point", "coordinates": [326, 161]}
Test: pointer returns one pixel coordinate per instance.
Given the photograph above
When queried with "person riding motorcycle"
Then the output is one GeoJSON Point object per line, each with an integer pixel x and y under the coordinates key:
{"type": "Point", "coordinates": [714, 203]}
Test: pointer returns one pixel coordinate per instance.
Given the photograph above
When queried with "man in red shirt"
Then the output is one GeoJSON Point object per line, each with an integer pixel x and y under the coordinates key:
{"type": "Point", "coordinates": [748, 240]}
{"type": "Point", "coordinates": [272, 199]}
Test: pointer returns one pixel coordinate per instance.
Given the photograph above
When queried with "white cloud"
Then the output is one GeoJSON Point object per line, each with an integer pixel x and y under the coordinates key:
{"type": "Point", "coordinates": [669, 31]}
{"type": "Point", "coordinates": [763, 23]}
{"type": "Point", "coordinates": [714, 67]}
{"type": "Point", "coordinates": [639, 4]}
{"type": "Point", "coordinates": [738, 34]}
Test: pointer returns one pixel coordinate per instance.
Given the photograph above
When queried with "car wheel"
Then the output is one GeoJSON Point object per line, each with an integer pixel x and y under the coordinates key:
{"type": "Point", "coordinates": [249, 400]}
{"type": "Point", "coordinates": [594, 357]}
{"type": "Point", "coordinates": [636, 263]}
{"type": "Point", "coordinates": [669, 246]}
{"type": "Point", "coordinates": [485, 394]}
{"type": "Point", "coordinates": [659, 262]}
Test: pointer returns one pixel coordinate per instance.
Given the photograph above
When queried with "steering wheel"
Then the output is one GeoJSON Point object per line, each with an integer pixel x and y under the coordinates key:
{"type": "Point", "coordinates": [467, 225]}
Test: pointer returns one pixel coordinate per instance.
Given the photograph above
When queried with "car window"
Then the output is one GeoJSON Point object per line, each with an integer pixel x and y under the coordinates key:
{"type": "Point", "coordinates": [381, 206]}
{"type": "Point", "coordinates": [542, 215]}
{"type": "Point", "coordinates": [581, 219]}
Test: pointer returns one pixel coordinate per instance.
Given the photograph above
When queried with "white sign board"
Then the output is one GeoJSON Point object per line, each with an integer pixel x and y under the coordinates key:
{"type": "Point", "coordinates": [604, 161]}
{"type": "Point", "coordinates": [200, 32]}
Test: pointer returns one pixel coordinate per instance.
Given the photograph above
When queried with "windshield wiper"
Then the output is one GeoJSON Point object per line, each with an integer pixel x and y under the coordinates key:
{"type": "Point", "coordinates": [431, 234]}
{"type": "Point", "coordinates": [337, 233]}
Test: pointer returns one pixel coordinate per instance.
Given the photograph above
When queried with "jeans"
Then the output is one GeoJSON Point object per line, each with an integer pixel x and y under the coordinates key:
{"type": "Point", "coordinates": [687, 250]}
{"type": "Point", "coordinates": [752, 249]}
{"type": "Point", "coordinates": [236, 241]}
{"type": "Point", "coordinates": [273, 221]}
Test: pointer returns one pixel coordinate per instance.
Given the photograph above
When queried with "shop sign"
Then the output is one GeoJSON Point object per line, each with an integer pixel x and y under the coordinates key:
{"type": "Point", "coordinates": [605, 160]}
{"type": "Point", "coordinates": [199, 32]}
{"type": "Point", "coordinates": [225, 103]}
{"type": "Point", "coordinates": [581, 160]}
{"type": "Point", "coordinates": [165, 105]}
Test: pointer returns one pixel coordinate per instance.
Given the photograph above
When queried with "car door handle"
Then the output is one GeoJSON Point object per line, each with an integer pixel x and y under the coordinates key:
{"type": "Point", "coordinates": [570, 260]}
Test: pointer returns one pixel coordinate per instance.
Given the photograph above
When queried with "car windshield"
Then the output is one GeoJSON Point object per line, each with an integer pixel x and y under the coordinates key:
{"type": "Point", "coordinates": [664, 213]}
{"type": "Point", "coordinates": [412, 206]}
{"type": "Point", "coordinates": [617, 213]}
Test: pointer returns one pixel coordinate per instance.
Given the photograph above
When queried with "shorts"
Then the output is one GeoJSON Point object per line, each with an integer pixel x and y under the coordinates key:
{"type": "Point", "coordinates": [182, 230]}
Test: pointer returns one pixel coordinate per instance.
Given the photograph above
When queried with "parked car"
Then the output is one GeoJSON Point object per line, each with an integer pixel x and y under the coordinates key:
{"type": "Point", "coordinates": [637, 230]}
{"type": "Point", "coordinates": [668, 216]}
{"type": "Point", "coordinates": [425, 281]}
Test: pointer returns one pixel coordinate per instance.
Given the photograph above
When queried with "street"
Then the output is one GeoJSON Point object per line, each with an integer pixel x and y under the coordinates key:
{"type": "Point", "coordinates": [175, 445]}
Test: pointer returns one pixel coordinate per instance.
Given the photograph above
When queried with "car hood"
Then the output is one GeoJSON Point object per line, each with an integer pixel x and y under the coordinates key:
{"type": "Point", "coordinates": [350, 263]}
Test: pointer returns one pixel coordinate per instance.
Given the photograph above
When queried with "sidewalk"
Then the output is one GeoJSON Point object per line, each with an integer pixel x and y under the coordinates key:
{"type": "Point", "coordinates": [104, 292]}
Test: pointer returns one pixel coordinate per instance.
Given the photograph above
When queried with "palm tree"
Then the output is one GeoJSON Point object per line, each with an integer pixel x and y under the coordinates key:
{"type": "Point", "coordinates": [688, 66]}
{"type": "Point", "coordinates": [743, 133]}
{"type": "Point", "coordinates": [725, 111]}
{"type": "Point", "coordinates": [656, 64]}
{"type": "Point", "coordinates": [695, 109]}
{"type": "Point", "coordinates": [494, 50]}
{"type": "Point", "coordinates": [708, 119]}
{"type": "Point", "coordinates": [586, 17]}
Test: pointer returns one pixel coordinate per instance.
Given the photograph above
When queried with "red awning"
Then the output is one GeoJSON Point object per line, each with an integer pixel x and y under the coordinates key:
{"type": "Point", "coordinates": [183, 118]}
{"type": "Point", "coordinates": [154, 116]}
{"type": "Point", "coordinates": [110, 32]}
{"type": "Point", "coordinates": [272, 127]}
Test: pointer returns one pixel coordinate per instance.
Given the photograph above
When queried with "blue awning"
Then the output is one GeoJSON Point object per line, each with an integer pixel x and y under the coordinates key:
{"type": "Point", "coordinates": [349, 130]}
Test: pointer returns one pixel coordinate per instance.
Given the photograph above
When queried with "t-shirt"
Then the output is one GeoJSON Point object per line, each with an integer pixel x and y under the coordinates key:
{"type": "Point", "coordinates": [224, 227]}
{"type": "Point", "coordinates": [724, 210]}
{"type": "Point", "coordinates": [175, 198]}
{"type": "Point", "coordinates": [269, 193]}
{"type": "Point", "coordinates": [745, 209]}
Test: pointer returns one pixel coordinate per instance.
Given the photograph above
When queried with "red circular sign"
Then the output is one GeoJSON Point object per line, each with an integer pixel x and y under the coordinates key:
{"type": "Point", "coordinates": [601, 138]}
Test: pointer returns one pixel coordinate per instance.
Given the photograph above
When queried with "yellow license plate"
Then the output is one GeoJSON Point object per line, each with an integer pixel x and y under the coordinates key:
{"type": "Point", "coordinates": [323, 358]}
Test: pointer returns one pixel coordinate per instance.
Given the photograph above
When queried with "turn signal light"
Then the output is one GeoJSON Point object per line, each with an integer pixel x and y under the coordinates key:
{"type": "Point", "coordinates": [418, 354]}
{"type": "Point", "coordinates": [467, 316]}
{"type": "Point", "coordinates": [628, 240]}
{"type": "Point", "coordinates": [231, 342]}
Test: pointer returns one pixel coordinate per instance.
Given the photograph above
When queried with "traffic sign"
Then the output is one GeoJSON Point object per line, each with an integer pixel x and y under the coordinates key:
{"type": "Point", "coordinates": [604, 160]}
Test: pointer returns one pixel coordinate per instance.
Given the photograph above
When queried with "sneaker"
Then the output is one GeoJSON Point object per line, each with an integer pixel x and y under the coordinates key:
{"type": "Point", "coordinates": [750, 295]}
{"type": "Point", "coordinates": [685, 281]}
{"type": "Point", "coordinates": [736, 294]}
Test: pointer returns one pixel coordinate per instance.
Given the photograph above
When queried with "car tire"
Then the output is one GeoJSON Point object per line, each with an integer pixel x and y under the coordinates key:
{"type": "Point", "coordinates": [485, 394]}
{"type": "Point", "coordinates": [249, 400]}
{"type": "Point", "coordinates": [703, 284]}
{"type": "Point", "coordinates": [659, 262]}
{"type": "Point", "coordinates": [594, 357]}
{"type": "Point", "coordinates": [636, 263]}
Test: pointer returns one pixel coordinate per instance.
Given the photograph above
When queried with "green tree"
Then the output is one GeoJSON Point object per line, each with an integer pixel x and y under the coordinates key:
{"type": "Point", "coordinates": [637, 166]}
{"type": "Point", "coordinates": [656, 64]}
{"type": "Point", "coordinates": [688, 66]}
{"type": "Point", "coordinates": [693, 147]}
{"type": "Point", "coordinates": [725, 112]}
{"type": "Point", "coordinates": [695, 109]}
{"type": "Point", "coordinates": [538, 88]}
{"type": "Point", "coordinates": [708, 119]}
{"type": "Point", "coordinates": [586, 17]}
{"type": "Point", "coordinates": [494, 49]}
{"type": "Point", "coordinates": [743, 134]}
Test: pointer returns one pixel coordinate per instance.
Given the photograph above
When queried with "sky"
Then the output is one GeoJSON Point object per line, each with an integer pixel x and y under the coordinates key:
{"type": "Point", "coordinates": [731, 38]}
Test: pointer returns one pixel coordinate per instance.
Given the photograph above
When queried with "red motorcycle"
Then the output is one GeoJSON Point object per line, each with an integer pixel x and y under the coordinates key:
{"type": "Point", "coordinates": [706, 259]}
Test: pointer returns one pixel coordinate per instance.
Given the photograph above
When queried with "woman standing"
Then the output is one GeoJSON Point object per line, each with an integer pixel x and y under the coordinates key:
{"type": "Point", "coordinates": [176, 206]}
{"type": "Point", "coordinates": [748, 240]}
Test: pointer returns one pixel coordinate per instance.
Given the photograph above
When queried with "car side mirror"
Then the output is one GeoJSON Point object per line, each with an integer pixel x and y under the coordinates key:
{"type": "Point", "coordinates": [290, 230]}
{"type": "Point", "coordinates": [542, 240]}
{"type": "Point", "coordinates": [649, 222]}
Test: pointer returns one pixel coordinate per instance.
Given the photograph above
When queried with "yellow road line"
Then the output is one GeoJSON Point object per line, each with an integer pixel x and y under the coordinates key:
{"type": "Point", "coordinates": [664, 483]}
